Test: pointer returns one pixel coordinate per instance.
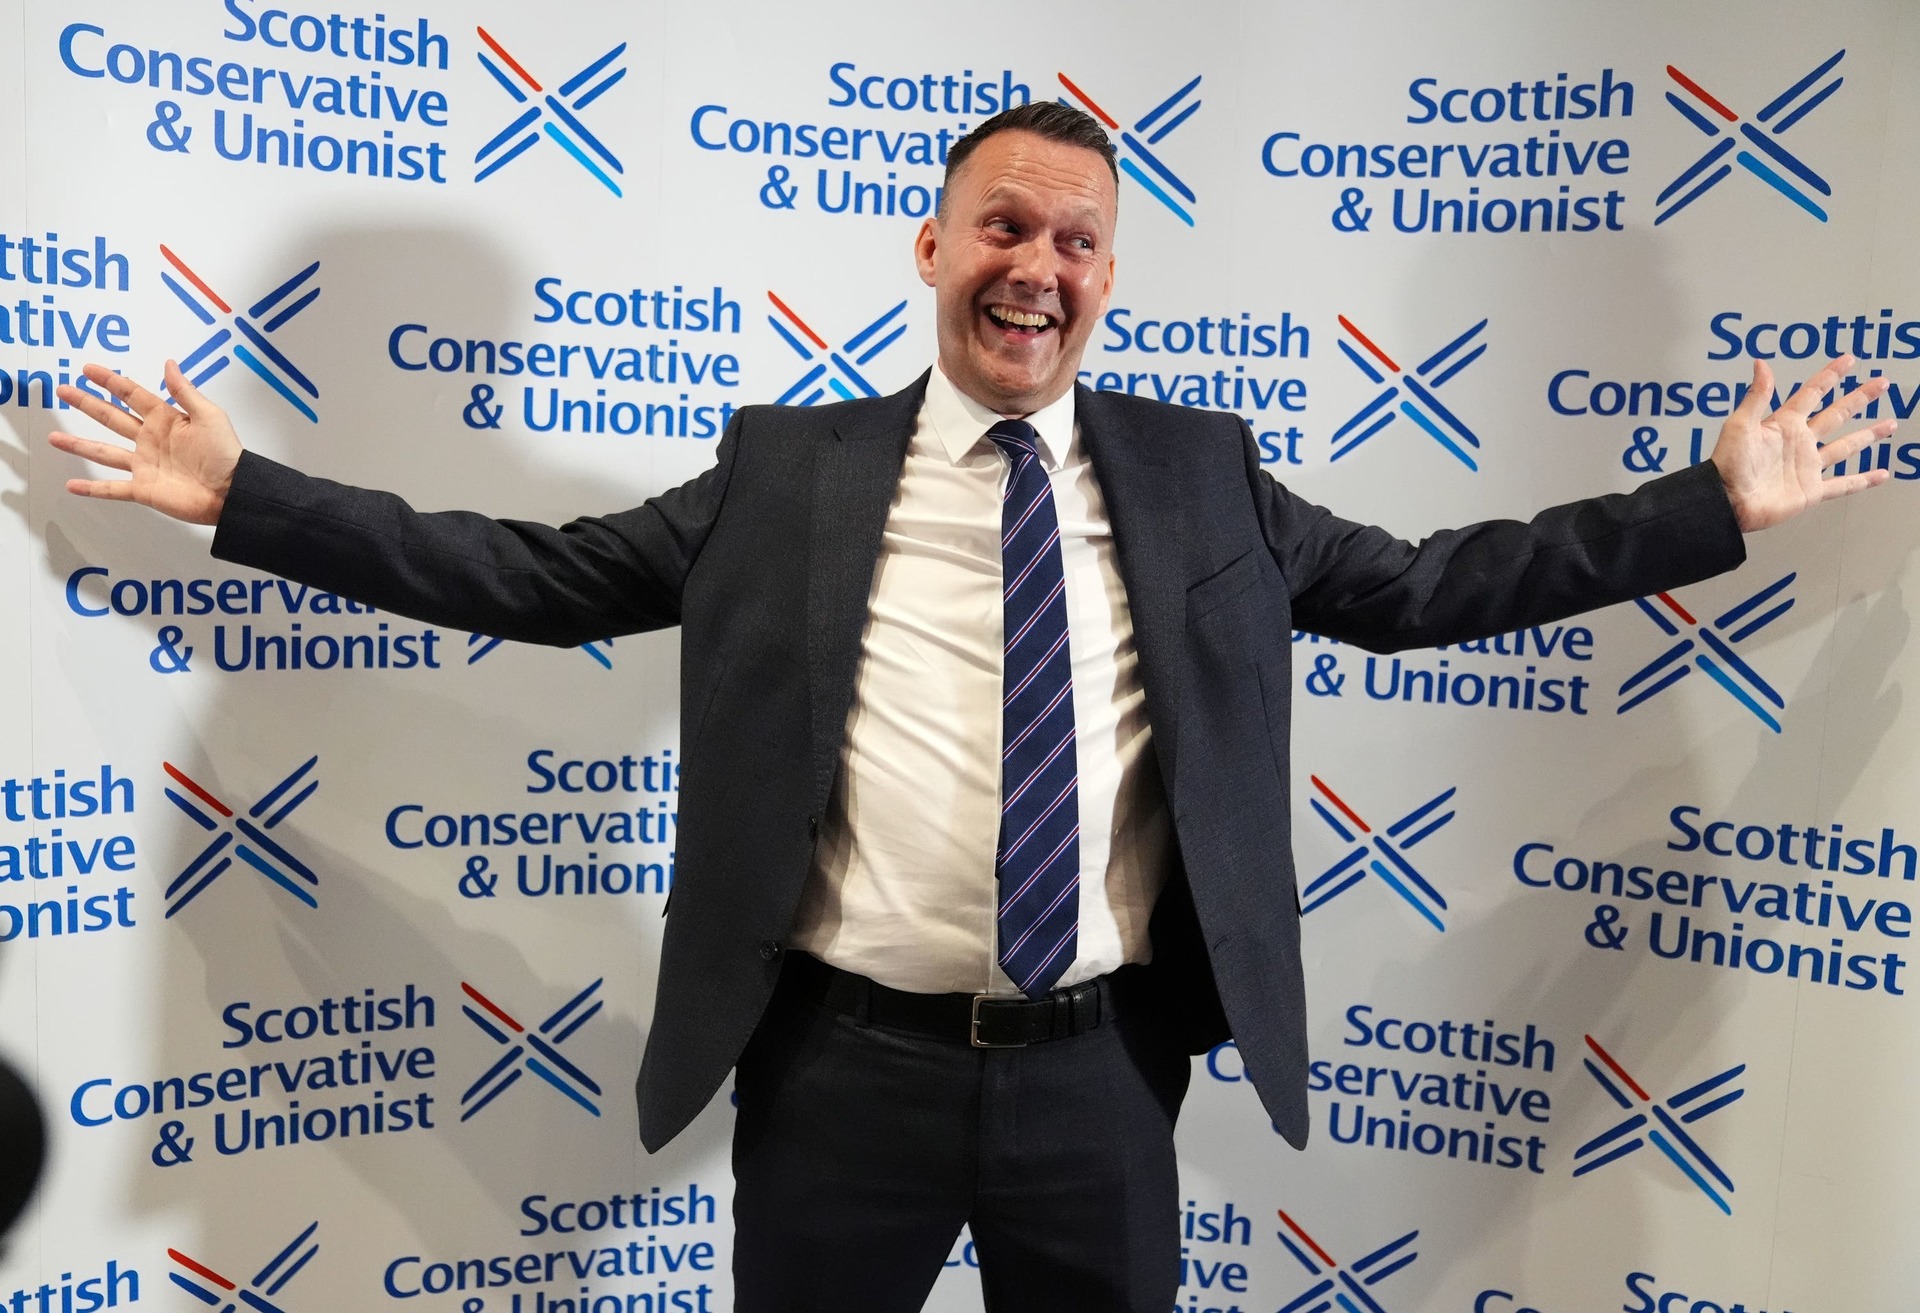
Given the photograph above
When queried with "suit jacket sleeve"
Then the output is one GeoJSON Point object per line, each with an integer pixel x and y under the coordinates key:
{"type": "Point", "coordinates": [1362, 585]}
{"type": "Point", "coordinates": [592, 578]}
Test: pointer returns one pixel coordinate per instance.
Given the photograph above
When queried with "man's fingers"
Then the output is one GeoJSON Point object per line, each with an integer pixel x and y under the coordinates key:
{"type": "Point", "coordinates": [138, 399]}
{"type": "Point", "coordinates": [196, 405]}
{"type": "Point", "coordinates": [105, 413]}
{"type": "Point", "coordinates": [1852, 483]}
{"type": "Point", "coordinates": [104, 489]}
{"type": "Point", "coordinates": [96, 373]}
{"type": "Point", "coordinates": [1840, 448]}
{"type": "Point", "coordinates": [1845, 408]}
{"type": "Point", "coordinates": [100, 453]}
{"type": "Point", "coordinates": [1753, 406]}
{"type": "Point", "coordinates": [1807, 397]}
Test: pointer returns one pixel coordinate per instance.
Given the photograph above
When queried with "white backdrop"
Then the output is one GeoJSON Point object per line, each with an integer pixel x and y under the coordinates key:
{"type": "Point", "coordinates": [1610, 976]}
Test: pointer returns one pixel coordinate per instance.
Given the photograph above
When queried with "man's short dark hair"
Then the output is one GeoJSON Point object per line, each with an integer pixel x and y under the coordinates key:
{"type": "Point", "coordinates": [1043, 118]}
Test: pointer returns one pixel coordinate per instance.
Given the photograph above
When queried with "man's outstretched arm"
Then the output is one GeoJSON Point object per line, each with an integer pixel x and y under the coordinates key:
{"type": "Point", "coordinates": [1363, 585]}
{"type": "Point", "coordinates": [533, 583]}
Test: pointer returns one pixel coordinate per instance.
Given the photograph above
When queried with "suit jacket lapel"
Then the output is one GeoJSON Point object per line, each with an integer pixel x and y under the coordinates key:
{"type": "Point", "coordinates": [1144, 510]}
{"type": "Point", "coordinates": [854, 477]}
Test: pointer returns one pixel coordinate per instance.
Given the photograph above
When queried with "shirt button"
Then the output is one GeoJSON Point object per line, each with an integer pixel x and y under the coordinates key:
{"type": "Point", "coordinates": [769, 949]}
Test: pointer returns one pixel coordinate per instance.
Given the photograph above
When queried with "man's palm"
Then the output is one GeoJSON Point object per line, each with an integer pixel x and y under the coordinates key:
{"type": "Point", "coordinates": [1773, 465]}
{"type": "Point", "coordinates": [182, 459]}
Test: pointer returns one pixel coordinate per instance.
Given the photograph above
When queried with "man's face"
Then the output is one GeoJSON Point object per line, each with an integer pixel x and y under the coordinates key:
{"type": "Point", "coordinates": [1021, 264]}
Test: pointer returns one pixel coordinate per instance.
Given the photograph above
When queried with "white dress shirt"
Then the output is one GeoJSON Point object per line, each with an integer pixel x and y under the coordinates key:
{"type": "Point", "coordinates": [902, 888]}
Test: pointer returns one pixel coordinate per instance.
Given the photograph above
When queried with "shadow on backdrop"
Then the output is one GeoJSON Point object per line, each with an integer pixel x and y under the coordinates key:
{"type": "Point", "coordinates": [380, 926]}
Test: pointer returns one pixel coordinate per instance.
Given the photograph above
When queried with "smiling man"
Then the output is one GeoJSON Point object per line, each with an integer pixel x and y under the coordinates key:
{"type": "Point", "coordinates": [1021, 258]}
{"type": "Point", "coordinates": [984, 699]}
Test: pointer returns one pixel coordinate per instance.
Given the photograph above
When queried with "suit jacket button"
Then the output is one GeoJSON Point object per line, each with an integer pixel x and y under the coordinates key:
{"type": "Point", "coordinates": [813, 827]}
{"type": "Point", "coordinates": [769, 949]}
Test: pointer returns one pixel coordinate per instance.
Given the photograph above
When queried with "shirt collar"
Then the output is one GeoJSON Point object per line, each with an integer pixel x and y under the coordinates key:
{"type": "Point", "coordinates": [961, 423]}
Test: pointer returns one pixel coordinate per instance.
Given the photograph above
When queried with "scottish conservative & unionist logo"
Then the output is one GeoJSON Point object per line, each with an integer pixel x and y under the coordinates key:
{"type": "Point", "coordinates": [1660, 423]}
{"type": "Point", "coordinates": [1240, 362]}
{"type": "Point", "coordinates": [581, 826]}
{"type": "Point", "coordinates": [65, 856]}
{"type": "Point", "coordinates": [531, 1050]}
{"type": "Point", "coordinates": [652, 360]}
{"type": "Point", "coordinates": [62, 292]}
{"type": "Point", "coordinates": [648, 1247]}
{"type": "Point", "coordinates": [1543, 154]}
{"type": "Point", "coordinates": [873, 145]}
{"type": "Point", "coordinates": [1825, 907]}
{"type": "Point", "coordinates": [1773, 164]}
{"type": "Point", "coordinates": [334, 94]}
{"type": "Point", "coordinates": [1707, 644]}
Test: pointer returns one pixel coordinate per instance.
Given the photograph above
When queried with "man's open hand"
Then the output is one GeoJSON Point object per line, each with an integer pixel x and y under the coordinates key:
{"type": "Point", "coordinates": [1773, 465]}
{"type": "Point", "coordinates": [182, 457]}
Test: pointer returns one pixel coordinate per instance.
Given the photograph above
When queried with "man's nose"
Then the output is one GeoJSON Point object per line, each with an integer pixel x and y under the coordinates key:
{"type": "Point", "coordinates": [1036, 265]}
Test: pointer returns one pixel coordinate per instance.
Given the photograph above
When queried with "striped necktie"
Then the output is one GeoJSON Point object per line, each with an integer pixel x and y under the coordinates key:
{"type": "Point", "coordinates": [1037, 864]}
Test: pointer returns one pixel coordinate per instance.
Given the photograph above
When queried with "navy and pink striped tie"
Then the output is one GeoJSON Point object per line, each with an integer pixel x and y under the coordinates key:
{"type": "Point", "coordinates": [1037, 864]}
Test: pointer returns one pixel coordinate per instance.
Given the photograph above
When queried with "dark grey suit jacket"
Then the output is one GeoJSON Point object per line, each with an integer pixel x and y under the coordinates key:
{"type": "Point", "coordinates": [765, 561]}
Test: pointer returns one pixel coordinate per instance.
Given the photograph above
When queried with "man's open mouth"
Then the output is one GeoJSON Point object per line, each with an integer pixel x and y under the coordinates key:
{"type": "Point", "coordinates": [1027, 322]}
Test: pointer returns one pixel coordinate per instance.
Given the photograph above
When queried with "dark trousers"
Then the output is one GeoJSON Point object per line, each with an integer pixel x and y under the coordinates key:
{"type": "Point", "coordinates": [859, 1152]}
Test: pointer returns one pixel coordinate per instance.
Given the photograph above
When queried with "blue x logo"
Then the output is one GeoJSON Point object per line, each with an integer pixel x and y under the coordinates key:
{"type": "Point", "coordinates": [237, 337]}
{"type": "Point", "coordinates": [536, 1051]}
{"type": "Point", "coordinates": [1396, 872]}
{"type": "Point", "coordinates": [226, 1295]}
{"type": "Point", "coordinates": [1160, 182]}
{"type": "Point", "coordinates": [835, 371]}
{"type": "Point", "coordinates": [1419, 384]}
{"type": "Point", "coordinates": [553, 113]}
{"type": "Point", "coordinates": [1703, 643]}
{"type": "Point", "coordinates": [1665, 1128]}
{"type": "Point", "coordinates": [246, 835]}
{"type": "Point", "coordinates": [480, 645]}
{"type": "Point", "coordinates": [1780, 170]}
{"type": "Point", "coordinates": [1347, 1287]}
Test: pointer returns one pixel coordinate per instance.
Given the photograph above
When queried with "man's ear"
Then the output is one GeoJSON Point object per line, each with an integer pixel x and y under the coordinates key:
{"type": "Point", "coordinates": [1106, 292]}
{"type": "Point", "coordinates": [925, 243]}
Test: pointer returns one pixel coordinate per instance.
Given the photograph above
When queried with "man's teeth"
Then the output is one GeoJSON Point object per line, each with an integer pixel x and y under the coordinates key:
{"type": "Point", "coordinates": [1018, 318]}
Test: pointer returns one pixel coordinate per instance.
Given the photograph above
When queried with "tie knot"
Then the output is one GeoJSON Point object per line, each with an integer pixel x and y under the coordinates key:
{"type": "Point", "coordinates": [1016, 437]}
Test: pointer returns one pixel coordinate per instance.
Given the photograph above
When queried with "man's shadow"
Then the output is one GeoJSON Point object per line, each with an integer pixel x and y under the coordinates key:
{"type": "Point", "coordinates": [1559, 461]}
{"type": "Point", "coordinates": [451, 740]}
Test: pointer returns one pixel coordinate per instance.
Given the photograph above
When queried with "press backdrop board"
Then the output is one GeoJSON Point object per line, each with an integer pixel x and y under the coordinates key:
{"type": "Point", "coordinates": [330, 936]}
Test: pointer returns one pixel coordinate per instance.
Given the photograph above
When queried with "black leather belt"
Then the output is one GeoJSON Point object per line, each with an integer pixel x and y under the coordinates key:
{"type": "Point", "coordinates": [986, 1021]}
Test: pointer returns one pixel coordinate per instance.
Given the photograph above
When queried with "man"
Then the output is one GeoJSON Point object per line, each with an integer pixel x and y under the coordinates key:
{"type": "Point", "coordinates": [984, 712]}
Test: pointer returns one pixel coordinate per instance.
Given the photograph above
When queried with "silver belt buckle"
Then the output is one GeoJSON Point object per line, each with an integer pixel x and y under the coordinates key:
{"type": "Point", "coordinates": [973, 1030]}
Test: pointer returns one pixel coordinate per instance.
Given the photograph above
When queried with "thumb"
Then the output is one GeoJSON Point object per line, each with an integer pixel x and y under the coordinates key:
{"type": "Point", "coordinates": [191, 401]}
